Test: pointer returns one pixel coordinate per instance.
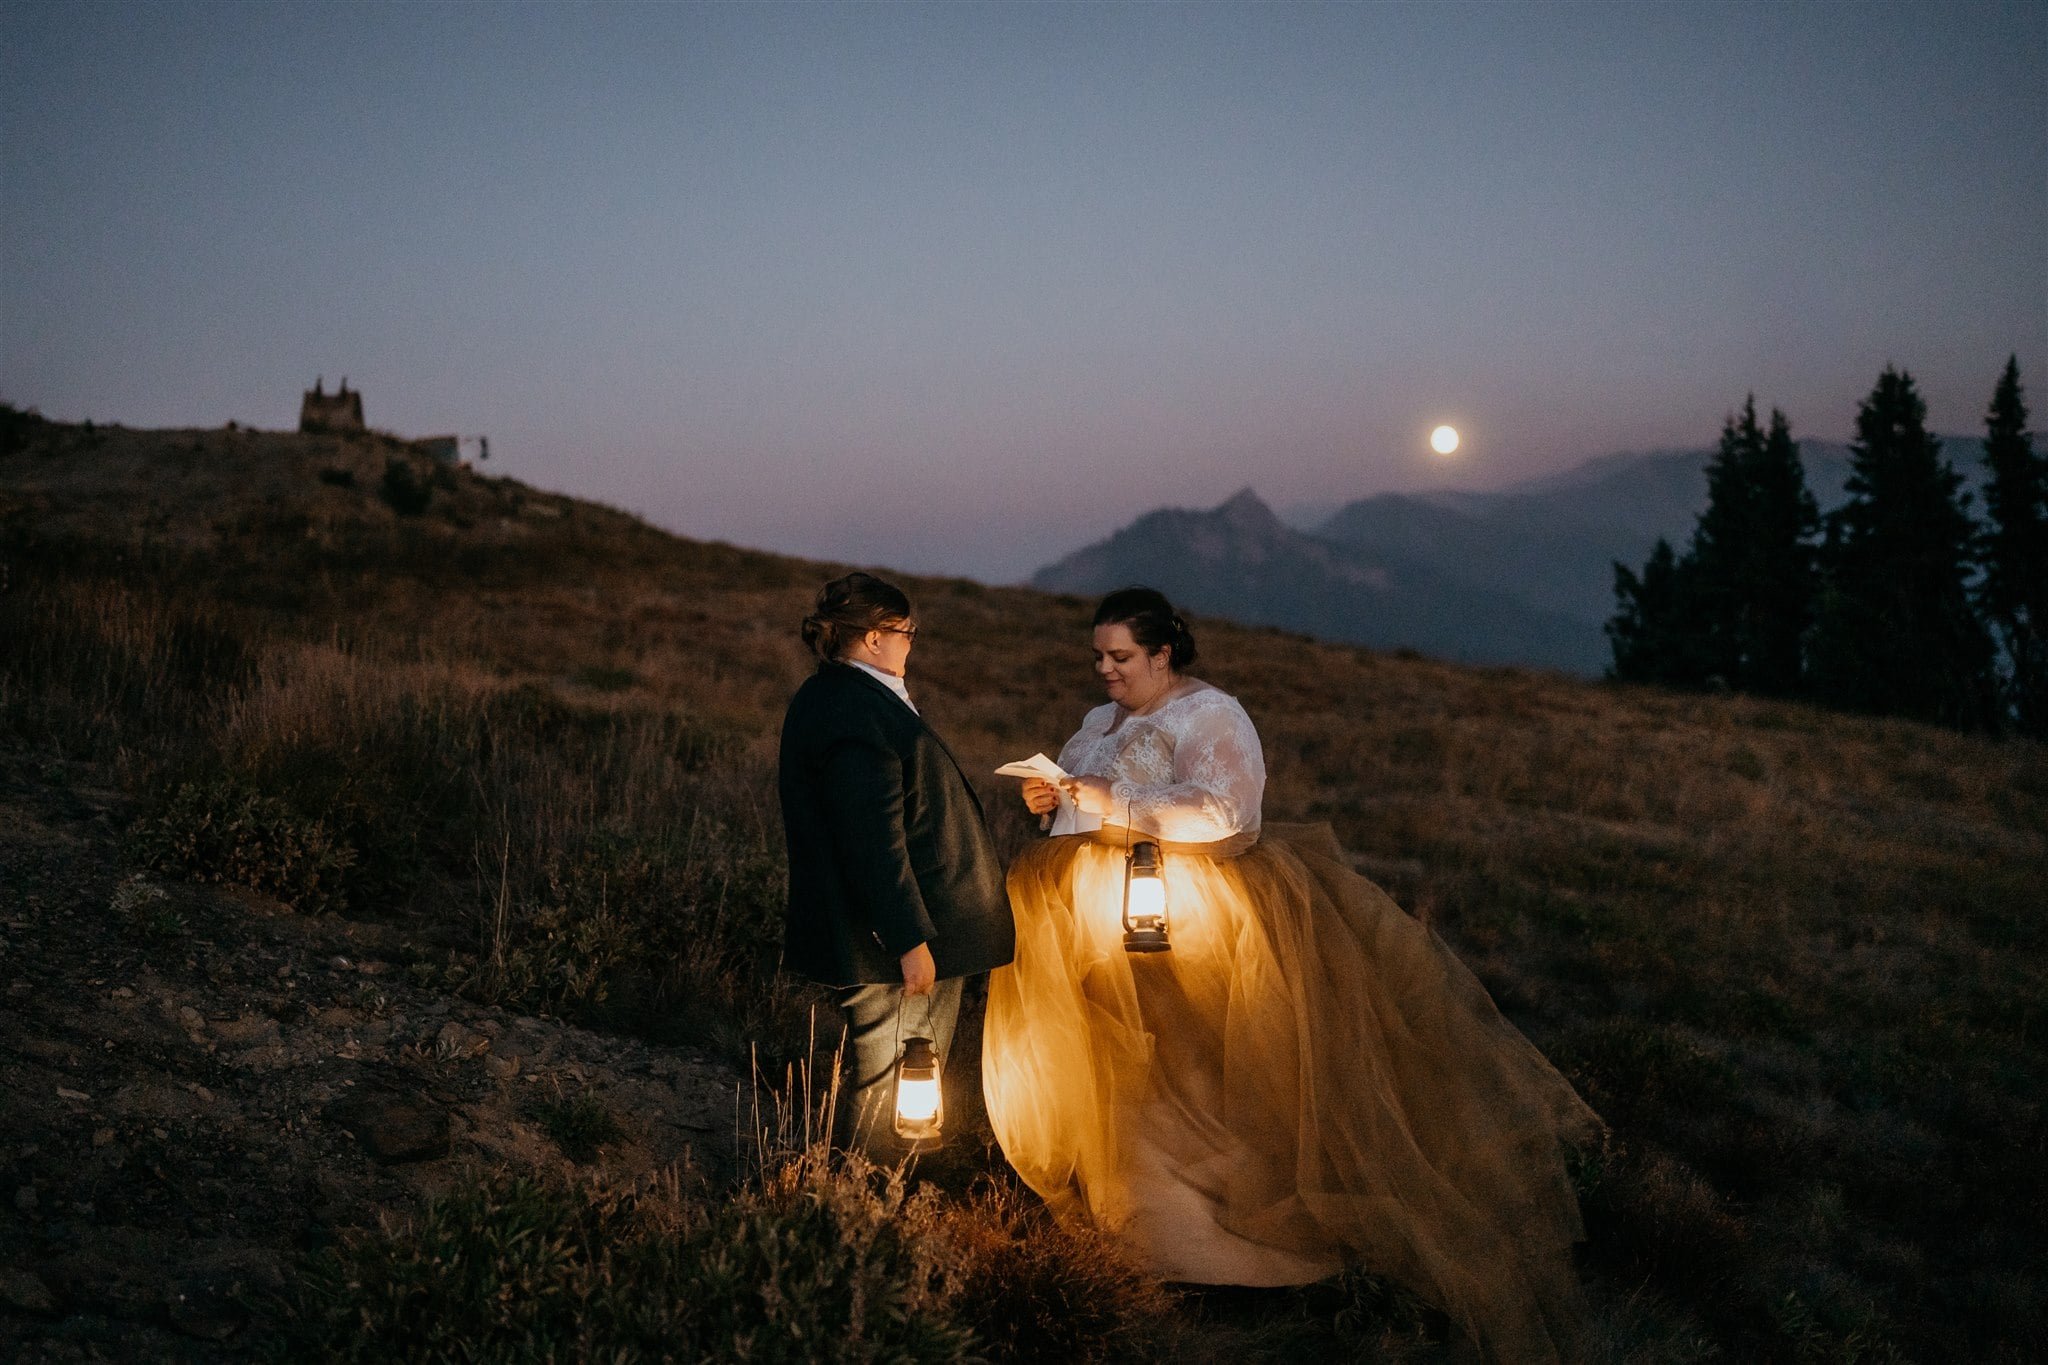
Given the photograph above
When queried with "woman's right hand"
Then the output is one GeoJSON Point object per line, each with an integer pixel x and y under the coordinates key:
{"type": "Point", "coordinates": [1040, 795]}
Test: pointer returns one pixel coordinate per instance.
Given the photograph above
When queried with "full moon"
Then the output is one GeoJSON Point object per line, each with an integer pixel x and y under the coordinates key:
{"type": "Point", "coordinates": [1444, 440]}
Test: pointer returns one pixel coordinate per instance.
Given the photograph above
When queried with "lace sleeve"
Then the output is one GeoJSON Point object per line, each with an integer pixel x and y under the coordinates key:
{"type": "Point", "coordinates": [1219, 777]}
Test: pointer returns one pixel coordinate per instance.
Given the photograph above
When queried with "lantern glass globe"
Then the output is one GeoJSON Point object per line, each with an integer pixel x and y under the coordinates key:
{"type": "Point", "coordinates": [1148, 899]}
{"type": "Point", "coordinates": [919, 1106]}
{"type": "Point", "coordinates": [917, 1101]}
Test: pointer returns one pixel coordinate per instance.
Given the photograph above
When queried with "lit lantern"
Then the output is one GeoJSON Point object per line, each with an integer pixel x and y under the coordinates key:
{"type": "Point", "coordinates": [919, 1108]}
{"type": "Point", "coordinates": [1144, 901]}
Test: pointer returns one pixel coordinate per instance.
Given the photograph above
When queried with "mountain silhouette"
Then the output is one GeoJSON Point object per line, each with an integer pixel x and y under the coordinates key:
{"type": "Point", "coordinates": [1241, 561]}
{"type": "Point", "coordinates": [1523, 575]}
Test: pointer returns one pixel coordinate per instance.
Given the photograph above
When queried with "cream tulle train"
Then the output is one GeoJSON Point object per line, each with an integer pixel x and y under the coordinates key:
{"type": "Point", "coordinates": [1310, 1076]}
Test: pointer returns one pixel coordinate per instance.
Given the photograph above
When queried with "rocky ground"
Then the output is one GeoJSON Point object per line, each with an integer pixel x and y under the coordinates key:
{"type": "Point", "coordinates": [198, 1086]}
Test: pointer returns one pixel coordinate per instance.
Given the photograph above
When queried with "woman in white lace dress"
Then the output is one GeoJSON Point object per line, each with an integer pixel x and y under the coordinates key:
{"type": "Point", "coordinates": [1307, 1077]}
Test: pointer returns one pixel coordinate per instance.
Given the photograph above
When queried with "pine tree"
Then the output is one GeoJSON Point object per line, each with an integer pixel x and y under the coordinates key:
{"type": "Point", "coordinates": [1654, 631]}
{"type": "Point", "coordinates": [1734, 607]}
{"type": "Point", "coordinates": [1897, 632]}
{"type": "Point", "coordinates": [1720, 542]}
{"type": "Point", "coordinates": [1777, 585]}
{"type": "Point", "coordinates": [2014, 591]}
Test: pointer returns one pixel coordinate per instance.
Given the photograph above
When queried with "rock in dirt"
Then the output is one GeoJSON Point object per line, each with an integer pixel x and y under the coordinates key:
{"type": "Point", "coordinates": [393, 1128]}
{"type": "Point", "coordinates": [250, 1030]}
{"type": "Point", "coordinates": [454, 1042]}
{"type": "Point", "coordinates": [205, 1313]}
{"type": "Point", "coordinates": [25, 1292]}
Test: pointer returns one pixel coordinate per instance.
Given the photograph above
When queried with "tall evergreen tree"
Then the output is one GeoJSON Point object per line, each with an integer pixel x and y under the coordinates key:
{"type": "Point", "coordinates": [1734, 607]}
{"type": "Point", "coordinates": [1720, 540]}
{"type": "Point", "coordinates": [1897, 632]}
{"type": "Point", "coordinates": [1655, 631]}
{"type": "Point", "coordinates": [2014, 589]}
{"type": "Point", "coordinates": [1753, 556]}
{"type": "Point", "coordinates": [1777, 585]}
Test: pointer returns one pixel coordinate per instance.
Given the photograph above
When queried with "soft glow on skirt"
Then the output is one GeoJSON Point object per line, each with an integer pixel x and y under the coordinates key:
{"type": "Point", "coordinates": [1310, 1076]}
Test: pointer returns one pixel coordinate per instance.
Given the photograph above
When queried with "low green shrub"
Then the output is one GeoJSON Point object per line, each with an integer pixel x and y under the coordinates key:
{"type": "Point", "coordinates": [652, 932]}
{"type": "Point", "coordinates": [1033, 1289]}
{"type": "Point", "coordinates": [223, 830]}
{"type": "Point", "coordinates": [579, 1126]}
{"type": "Point", "coordinates": [825, 1263]}
{"type": "Point", "coordinates": [813, 1264]}
{"type": "Point", "coordinates": [145, 909]}
{"type": "Point", "coordinates": [1834, 1333]}
{"type": "Point", "coordinates": [400, 788]}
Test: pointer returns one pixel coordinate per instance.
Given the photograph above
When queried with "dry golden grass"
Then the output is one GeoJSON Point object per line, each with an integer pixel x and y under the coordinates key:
{"type": "Point", "coordinates": [1795, 958]}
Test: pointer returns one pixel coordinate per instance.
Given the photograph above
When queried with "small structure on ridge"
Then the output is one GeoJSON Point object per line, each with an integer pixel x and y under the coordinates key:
{"type": "Point", "coordinates": [338, 413]}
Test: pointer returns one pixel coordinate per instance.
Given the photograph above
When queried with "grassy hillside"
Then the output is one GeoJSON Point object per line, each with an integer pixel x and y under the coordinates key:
{"type": "Point", "coordinates": [1795, 959]}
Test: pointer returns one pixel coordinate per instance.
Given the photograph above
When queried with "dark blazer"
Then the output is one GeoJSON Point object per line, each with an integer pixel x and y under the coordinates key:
{"type": "Point", "coordinates": [888, 846]}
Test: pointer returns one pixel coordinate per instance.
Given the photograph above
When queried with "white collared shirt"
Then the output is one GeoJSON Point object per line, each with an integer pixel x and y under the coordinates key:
{"type": "Point", "coordinates": [888, 680]}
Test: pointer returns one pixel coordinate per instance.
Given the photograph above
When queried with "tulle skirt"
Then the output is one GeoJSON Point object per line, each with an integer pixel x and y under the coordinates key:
{"type": "Point", "coordinates": [1308, 1077]}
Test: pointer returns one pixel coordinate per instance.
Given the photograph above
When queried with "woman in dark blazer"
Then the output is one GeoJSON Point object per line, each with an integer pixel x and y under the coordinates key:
{"type": "Point", "coordinates": [895, 890]}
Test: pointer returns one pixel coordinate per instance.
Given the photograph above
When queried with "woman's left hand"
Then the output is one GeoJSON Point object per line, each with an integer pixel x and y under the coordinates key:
{"type": "Point", "coordinates": [1091, 794]}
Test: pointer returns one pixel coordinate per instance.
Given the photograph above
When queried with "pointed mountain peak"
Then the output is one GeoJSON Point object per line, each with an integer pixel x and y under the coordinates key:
{"type": "Point", "coordinates": [1246, 509]}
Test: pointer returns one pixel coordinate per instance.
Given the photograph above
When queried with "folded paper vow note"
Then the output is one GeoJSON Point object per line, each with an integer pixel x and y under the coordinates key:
{"type": "Point", "coordinates": [1038, 765]}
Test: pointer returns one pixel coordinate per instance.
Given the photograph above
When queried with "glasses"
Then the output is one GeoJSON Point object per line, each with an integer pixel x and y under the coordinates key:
{"type": "Point", "coordinates": [908, 632]}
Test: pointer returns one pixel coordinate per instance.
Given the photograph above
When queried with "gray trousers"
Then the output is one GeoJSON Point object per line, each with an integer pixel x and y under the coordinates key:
{"type": "Point", "coordinates": [877, 1020]}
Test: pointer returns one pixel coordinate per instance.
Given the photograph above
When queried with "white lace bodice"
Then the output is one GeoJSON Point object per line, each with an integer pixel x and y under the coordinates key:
{"type": "Point", "coordinates": [1191, 772]}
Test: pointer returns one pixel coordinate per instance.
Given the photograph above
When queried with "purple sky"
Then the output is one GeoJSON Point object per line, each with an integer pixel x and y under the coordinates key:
{"type": "Point", "coordinates": [959, 288]}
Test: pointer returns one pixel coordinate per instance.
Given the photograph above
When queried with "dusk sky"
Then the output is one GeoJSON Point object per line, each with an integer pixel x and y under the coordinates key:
{"type": "Point", "coordinates": [959, 288]}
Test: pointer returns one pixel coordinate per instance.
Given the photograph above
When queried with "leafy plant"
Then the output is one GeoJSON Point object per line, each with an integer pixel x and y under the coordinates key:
{"type": "Point", "coordinates": [579, 1126]}
{"type": "Point", "coordinates": [1032, 1289]}
{"type": "Point", "coordinates": [146, 909]}
{"type": "Point", "coordinates": [225, 831]}
{"type": "Point", "coordinates": [812, 1264]}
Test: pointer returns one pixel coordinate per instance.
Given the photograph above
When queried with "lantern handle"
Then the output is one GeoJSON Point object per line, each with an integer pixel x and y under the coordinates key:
{"type": "Point", "coordinates": [930, 1015]}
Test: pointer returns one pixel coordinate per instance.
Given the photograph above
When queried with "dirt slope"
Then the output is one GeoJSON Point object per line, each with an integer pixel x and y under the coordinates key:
{"type": "Point", "coordinates": [195, 1085]}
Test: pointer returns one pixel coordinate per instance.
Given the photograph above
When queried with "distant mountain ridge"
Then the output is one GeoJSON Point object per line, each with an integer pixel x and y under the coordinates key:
{"type": "Point", "coordinates": [1241, 561]}
{"type": "Point", "coordinates": [1523, 575]}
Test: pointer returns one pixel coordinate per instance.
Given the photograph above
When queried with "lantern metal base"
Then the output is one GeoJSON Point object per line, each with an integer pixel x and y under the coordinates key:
{"type": "Point", "coordinates": [1146, 941]}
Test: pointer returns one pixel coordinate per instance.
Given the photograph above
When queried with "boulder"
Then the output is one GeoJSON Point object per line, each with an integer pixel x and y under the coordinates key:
{"type": "Point", "coordinates": [25, 1292]}
{"type": "Point", "coordinates": [392, 1127]}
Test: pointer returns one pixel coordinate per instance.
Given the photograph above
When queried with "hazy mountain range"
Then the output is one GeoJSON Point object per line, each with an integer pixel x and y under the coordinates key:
{"type": "Point", "coordinates": [1519, 576]}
